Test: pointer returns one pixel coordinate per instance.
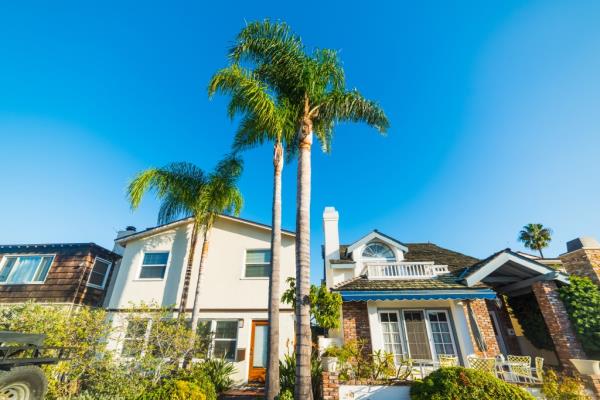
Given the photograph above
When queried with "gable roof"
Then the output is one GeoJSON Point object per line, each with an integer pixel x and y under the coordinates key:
{"type": "Point", "coordinates": [375, 234]}
{"type": "Point", "coordinates": [478, 271]}
{"type": "Point", "coordinates": [40, 248]}
{"type": "Point", "coordinates": [184, 221]}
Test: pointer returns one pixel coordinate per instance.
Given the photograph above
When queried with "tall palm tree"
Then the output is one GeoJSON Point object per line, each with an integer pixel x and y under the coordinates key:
{"type": "Point", "coordinates": [535, 237]}
{"type": "Point", "coordinates": [314, 85]}
{"type": "Point", "coordinates": [264, 120]}
{"type": "Point", "coordinates": [185, 190]}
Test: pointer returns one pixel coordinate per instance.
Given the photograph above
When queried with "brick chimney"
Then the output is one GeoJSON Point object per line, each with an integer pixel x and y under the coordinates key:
{"type": "Point", "coordinates": [583, 258]}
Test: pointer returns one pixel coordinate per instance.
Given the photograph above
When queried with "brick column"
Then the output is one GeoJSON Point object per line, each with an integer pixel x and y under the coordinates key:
{"type": "Point", "coordinates": [484, 322]}
{"type": "Point", "coordinates": [583, 262]}
{"type": "Point", "coordinates": [331, 386]}
{"type": "Point", "coordinates": [355, 318]}
{"type": "Point", "coordinates": [555, 315]}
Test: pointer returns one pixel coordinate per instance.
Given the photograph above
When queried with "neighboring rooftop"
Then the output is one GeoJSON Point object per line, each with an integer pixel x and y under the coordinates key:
{"type": "Point", "coordinates": [39, 247]}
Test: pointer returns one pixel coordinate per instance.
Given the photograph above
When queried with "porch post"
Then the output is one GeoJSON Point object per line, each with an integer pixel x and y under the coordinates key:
{"type": "Point", "coordinates": [484, 325]}
{"type": "Point", "coordinates": [555, 315]}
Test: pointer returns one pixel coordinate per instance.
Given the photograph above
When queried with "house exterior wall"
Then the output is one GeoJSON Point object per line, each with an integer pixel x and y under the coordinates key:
{"type": "Point", "coordinates": [361, 320]}
{"type": "Point", "coordinates": [66, 281]}
{"type": "Point", "coordinates": [583, 262]}
{"type": "Point", "coordinates": [286, 334]}
{"type": "Point", "coordinates": [225, 292]}
{"type": "Point", "coordinates": [223, 283]}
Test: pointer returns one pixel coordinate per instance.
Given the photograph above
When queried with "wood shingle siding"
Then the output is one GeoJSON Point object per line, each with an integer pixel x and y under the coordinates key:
{"type": "Point", "coordinates": [66, 281]}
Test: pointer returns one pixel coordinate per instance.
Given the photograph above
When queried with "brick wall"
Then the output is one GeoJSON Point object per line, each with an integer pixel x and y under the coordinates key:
{"type": "Point", "coordinates": [505, 323]}
{"type": "Point", "coordinates": [482, 316]}
{"type": "Point", "coordinates": [583, 262]}
{"type": "Point", "coordinates": [593, 382]}
{"type": "Point", "coordinates": [555, 315]}
{"type": "Point", "coordinates": [331, 386]}
{"type": "Point", "coordinates": [356, 323]}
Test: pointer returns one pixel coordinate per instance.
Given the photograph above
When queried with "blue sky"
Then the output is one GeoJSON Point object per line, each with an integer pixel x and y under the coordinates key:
{"type": "Point", "coordinates": [494, 106]}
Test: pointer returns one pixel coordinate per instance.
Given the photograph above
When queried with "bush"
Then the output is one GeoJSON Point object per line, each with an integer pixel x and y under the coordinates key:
{"type": "Point", "coordinates": [198, 377]}
{"type": "Point", "coordinates": [287, 375]}
{"type": "Point", "coordinates": [582, 300]}
{"type": "Point", "coordinates": [175, 390]}
{"type": "Point", "coordinates": [458, 383]}
{"type": "Point", "coordinates": [562, 387]}
{"type": "Point", "coordinates": [219, 372]}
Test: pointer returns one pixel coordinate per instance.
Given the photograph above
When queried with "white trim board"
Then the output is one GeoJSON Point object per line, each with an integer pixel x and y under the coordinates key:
{"type": "Point", "coordinates": [505, 257]}
{"type": "Point", "coordinates": [379, 236]}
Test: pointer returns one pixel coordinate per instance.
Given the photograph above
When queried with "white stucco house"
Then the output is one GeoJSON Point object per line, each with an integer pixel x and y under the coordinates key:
{"type": "Point", "coordinates": [234, 286]}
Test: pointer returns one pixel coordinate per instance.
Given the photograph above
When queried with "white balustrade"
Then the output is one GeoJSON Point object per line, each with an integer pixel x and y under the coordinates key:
{"type": "Point", "coordinates": [405, 270]}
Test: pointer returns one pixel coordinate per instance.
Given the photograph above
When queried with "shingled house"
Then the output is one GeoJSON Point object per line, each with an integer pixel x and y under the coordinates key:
{"type": "Point", "coordinates": [420, 300]}
{"type": "Point", "coordinates": [61, 273]}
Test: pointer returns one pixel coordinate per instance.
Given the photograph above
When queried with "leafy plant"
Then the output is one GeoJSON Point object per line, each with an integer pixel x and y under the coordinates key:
{"type": "Point", "coordinates": [325, 305]}
{"type": "Point", "coordinates": [582, 300]}
{"type": "Point", "coordinates": [287, 374]}
{"type": "Point", "coordinates": [383, 365]}
{"type": "Point", "coordinates": [218, 371]}
{"type": "Point", "coordinates": [527, 311]}
{"type": "Point", "coordinates": [465, 384]}
{"type": "Point", "coordinates": [562, 387]}
{"type": "Point", "coordinates": [175, 390]}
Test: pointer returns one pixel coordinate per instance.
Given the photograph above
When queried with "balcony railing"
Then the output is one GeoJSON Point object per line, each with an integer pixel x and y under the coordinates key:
{"type": "Point", "coordinates": [405, 270]}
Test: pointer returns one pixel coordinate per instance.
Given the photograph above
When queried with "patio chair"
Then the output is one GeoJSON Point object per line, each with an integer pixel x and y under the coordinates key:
{"type": "Point", "coordinates": [487, 364]}
{"type": "Point", "coordinates": [447, 360]}
{"type": "Point", "coordinates": [538, 370]}
{"type": "Point", "coordinates": [520, 367]}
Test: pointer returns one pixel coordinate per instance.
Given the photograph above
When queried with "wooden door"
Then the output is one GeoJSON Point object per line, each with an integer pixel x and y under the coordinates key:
{"type": "Point", "coordinates": [258, 351]}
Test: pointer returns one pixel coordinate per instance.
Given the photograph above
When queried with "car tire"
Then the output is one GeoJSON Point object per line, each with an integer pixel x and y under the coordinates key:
{"type": "Point", "coordinates": [23, 383]}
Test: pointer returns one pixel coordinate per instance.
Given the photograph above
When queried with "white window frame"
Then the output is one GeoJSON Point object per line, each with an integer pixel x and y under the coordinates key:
{"type": "Point", "coordinates": [142, 265]}
{"type": "Point", "coordinates": [213, 331]}
{"type": "Point", "coordinates": [404, 333]}
{"type": "Point", "coordinates": [144, 340]}
{"type": "Point", "coordinates": [260, 278]}
{"type": "Point", "coordinates": [403, 342]}
{"type": "Point", "coordinates": [108, 269]}
{"type": "Point", "coordinates": [5, 258]}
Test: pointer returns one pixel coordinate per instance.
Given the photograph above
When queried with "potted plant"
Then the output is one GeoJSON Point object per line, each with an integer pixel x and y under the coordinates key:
{"type": "Point", "coordinates": [329, 359]}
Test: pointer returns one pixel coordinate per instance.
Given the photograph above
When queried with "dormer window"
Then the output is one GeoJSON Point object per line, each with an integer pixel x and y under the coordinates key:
{"type": "Point", "coordinates": [378, 251]}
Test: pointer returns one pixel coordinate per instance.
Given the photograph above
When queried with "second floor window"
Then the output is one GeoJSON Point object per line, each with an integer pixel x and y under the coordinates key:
{"type": "Point", "coordinates": [25, 269]}
{"type": "Point", "coordinates": [154, 265]}
{"type": "Point", "coordinates": [99, 273]}
{"type": "Point", "coordinates": [257, 263]}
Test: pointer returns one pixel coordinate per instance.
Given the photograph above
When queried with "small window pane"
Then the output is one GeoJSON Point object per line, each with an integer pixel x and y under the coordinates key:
{"type": "Point", "coordinates": [42, 271]}
{"type": "Point", "coordinates": [224, 349]}
{"type": "Point", "coordinates": [98, 274]}
{"type": "Point", "coordinates": [156, 258]}
{"type": "Point", "coordinates": [226, 330]}
{"type": "Point", "coordinates": [8, 265]}
{"type": "Point", "coordinates": [257, 271]}
{"type": "Point", "coordinates": [153, 272]}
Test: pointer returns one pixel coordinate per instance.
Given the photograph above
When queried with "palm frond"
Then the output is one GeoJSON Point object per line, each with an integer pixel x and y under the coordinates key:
{"type": "Point", "coordinates": [351, 106]}
{"type": "Point", "coordinates": [177, 185]}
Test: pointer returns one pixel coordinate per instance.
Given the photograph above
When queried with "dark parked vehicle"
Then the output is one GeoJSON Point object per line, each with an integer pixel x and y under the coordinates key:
{"type": "Point", "coordinates": [21, 355]}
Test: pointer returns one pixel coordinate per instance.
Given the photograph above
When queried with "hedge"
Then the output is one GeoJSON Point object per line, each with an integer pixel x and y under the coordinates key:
{"type": "Point", "coordinates": [458, 383]}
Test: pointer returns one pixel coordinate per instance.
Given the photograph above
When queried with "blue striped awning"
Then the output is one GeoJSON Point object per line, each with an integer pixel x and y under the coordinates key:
{"type": "Point", "coordinates": [367, 295]}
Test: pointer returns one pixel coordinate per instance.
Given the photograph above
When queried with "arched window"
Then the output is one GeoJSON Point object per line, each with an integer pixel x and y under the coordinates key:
{"type": "Point", "coordinates": [378, 251]}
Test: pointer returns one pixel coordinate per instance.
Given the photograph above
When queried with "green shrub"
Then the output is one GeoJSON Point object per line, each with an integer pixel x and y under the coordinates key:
{"type": "Point", "coordinates": [198, 377]}
{"type": "Point", "coordinates": [175, 390]}
{"type": "Point", "coordinates": [582, 300]}
{"type": "Point", "coordinates": [219, 372]}
{"type": "Point", "coordinates": [287, 374]}
{"type": "Point", "coordinates": [458, 383]}
{"type": "Point", "coordinates": [285, 395]}
{"type": "Point", "coordinates": [562, 387]}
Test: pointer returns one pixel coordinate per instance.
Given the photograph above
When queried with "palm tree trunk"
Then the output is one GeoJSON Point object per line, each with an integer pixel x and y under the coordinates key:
{"type": "Point", "coordinates": [303, 388]}
{"type": "Point", "coordinates": [188, 270]}
{"type": "Point", "coordinates": [196, 309]}
{"type": "Point", "coordinates": [541, 254]}
{"type": "Point", "coordinates": [272, 381]}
